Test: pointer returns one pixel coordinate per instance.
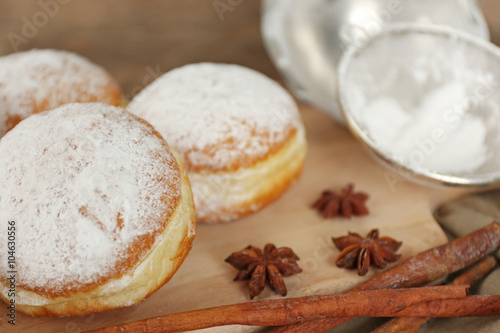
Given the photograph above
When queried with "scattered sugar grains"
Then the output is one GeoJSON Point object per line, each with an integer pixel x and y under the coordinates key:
{"type": "Point", "coordinates": [439, 134]}
{"type": "Point", "coordinates": [44, 78]}
{"type": "Point", "coordinates": [214, 114]}
{"type": "Point", "coordinates": [82, 194]}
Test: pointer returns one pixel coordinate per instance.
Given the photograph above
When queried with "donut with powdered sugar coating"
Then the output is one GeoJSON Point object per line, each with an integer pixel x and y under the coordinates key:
{"type": "Point", "coordinates": [102, 207]}
{"type": "Point", "coordinates": [239, 133]}
{"type": "Point", "coordinates": [40, 80]}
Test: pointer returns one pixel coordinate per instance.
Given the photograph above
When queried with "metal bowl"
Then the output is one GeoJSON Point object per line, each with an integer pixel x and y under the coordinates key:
{"type": "Point", "coordinates": [426, 101]}
{"type": "Point", "coordinates": [306, 39]}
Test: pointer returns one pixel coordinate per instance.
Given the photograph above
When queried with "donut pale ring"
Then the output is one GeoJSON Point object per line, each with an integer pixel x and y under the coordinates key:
{"type": "Point", "coordinates": [39, 80]}
{"type": "Point", "coordinates": [102, 208]}
{"type": "Point", "coordinates": [238, 132]}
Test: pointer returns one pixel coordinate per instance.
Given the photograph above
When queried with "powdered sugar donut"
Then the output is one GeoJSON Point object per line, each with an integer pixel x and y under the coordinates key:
{"type": "Point", "coordinates": [101, 208]}
{"type": "Point", "coordinates": [239, 133]}
{"type": "Point", "coordinates": [39, 80]}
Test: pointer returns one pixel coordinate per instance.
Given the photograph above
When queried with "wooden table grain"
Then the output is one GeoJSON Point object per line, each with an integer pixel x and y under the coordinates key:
{"type": "Point", "coordinates": [139, 40]}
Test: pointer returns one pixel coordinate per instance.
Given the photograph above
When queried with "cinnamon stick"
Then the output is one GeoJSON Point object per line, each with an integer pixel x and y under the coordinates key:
{"type": "Point", "coordinates": [385, 302]}
{"type": "Point", "coordinates": [418, 270]}
{"type": "Point", "coordinates": [471, 306]}
{"type": "Point", "coordinates": [413, 324]}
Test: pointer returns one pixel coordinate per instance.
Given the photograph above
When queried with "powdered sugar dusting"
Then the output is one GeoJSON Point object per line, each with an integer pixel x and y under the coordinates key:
{"type": "Point", "coordinates": [83, 182]}
{"type": "Point", "coordinates": [218, 115]}
{"type": "Point", "coordinates": [41, 80]}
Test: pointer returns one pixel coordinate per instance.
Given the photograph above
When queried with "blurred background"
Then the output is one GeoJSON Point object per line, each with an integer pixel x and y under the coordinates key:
{"type": "Point", "coordinates": [138, 40]}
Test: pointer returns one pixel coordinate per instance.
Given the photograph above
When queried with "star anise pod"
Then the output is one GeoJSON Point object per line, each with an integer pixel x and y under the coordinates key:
{"type": "Point", "coordinates": [271, 265]}
{"type": "Point", "coordinates": [347, 204]}
{"type": "Point", "coordinates": [360, 252]}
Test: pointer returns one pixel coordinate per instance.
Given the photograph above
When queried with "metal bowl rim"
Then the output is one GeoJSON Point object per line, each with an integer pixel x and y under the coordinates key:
{"type": "Point", "coordinates": [421, 175]}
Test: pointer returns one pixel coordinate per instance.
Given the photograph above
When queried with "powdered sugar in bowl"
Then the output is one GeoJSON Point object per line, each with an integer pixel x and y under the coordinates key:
{"type": "Point", "coordinates": [426, 101]}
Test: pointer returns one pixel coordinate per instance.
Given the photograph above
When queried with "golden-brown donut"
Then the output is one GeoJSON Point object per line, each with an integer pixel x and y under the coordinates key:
{"type": "Point", "coordinates": [39, 80]}
{"type": "Point", "coordinates": [239, 133]}
{"type": "Point", "coordinates": [102, 208]}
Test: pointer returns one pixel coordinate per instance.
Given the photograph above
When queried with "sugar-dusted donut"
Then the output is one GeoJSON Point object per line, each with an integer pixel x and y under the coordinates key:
{"type": "Point", "coordinates": [39, 80]}
{"type": "Point", "coordinates": [101, 208]}
{"type": "Point", "coordinates": [239, 133]}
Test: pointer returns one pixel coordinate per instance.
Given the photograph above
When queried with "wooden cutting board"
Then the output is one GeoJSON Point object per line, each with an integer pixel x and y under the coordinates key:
{"type": "Point", "coordinates": [400, 210]}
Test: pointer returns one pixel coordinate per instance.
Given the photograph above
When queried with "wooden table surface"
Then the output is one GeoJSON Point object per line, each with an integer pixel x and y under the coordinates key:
{"type": "Point", "coordinates": [137, 41]}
